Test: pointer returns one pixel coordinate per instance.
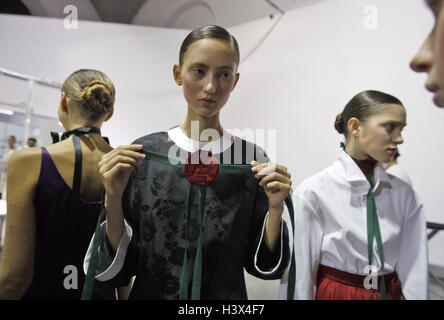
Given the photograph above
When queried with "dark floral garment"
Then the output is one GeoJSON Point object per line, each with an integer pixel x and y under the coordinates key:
{"type": "Point", "coordinates": [155, 204]}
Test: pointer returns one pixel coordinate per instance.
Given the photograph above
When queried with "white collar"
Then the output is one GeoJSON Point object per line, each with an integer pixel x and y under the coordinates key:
{"type": "Point", "coordinates": [178, 136]}
{"type": "Point", "coordinates": [354, 174]}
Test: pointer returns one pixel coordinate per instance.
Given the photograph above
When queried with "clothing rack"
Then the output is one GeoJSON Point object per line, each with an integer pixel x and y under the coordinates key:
{"type": "Point", "coordinates": [31, 82]}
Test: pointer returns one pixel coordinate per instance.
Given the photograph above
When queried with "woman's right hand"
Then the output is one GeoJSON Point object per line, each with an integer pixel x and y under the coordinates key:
{"type": "Point", "coordinates": [116, 166]}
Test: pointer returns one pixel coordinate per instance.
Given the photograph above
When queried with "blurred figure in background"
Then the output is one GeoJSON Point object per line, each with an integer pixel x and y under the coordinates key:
{"type": "Point", "coordinates": [430, 57]}
{"type": "Point", "coordinates": [32, 142]}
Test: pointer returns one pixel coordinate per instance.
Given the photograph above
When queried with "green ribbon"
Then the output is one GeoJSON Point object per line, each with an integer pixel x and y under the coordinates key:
{"type": "Point", "coordinates": [373, 231]}
{"type": "Point", "coordinates": [197, 273]}
{"type": "Point", "coordinates": [197, 269]}
{"type": "Point", "coordinates": [88, 286]}
{"type": "Point", "coordinates": [183, 294]}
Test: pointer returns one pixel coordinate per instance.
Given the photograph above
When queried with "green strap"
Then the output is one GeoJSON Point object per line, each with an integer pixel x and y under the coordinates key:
{"type": "Point", "coordinates": [172, 161]}
{"type": "Point", "coordinates": [234, 168]}
{"type": "Point", "coordinates": [197, 270]}
{"type": "Point", "coordinates": [370, 225]}
{"type": "Point", "coordinates": [183, 294]}
{"type": "Point", "coordinates": [374, 232]}
{"type": "Point", "coordinates": [197, 273]}
{"type": "Point", "coordinates": [88, 286]}
{"type": "Point", "coordinates": [178, 163]}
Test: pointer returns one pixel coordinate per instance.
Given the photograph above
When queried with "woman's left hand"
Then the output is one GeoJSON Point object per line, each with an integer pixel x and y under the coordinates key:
{"type": "Point", "coordinates": [276, 181]}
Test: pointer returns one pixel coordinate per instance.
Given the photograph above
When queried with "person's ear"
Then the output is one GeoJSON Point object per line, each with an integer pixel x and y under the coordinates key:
{"type": "Point", "coordinates": [236, 79]}
{"type": "Point", "coordinates": [64, 103]}
{"type": "Point", "coordinates": [354, 127]}
{"type": "Point", "coordinates": [110, 114]}
{"type": "Point", "coordinates": [177, 75]}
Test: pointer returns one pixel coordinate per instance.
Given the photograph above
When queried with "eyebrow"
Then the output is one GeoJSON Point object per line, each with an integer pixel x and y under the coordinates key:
{"type": "Point", "coordinates": [202, 65]}
{"type": "Point", "coordinates": [403, 124]}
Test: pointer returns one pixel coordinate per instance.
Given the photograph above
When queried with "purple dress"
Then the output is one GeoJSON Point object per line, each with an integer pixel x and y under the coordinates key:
{"type": "Point", "coordinates": [51, 203]}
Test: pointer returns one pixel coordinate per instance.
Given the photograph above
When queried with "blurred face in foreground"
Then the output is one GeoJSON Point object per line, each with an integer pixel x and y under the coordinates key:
{"type": "Point", "coordinates": [430, 57]}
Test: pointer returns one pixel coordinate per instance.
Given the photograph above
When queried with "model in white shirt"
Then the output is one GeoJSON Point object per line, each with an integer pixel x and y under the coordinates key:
{"type": "Point", "coordinates": [330, 207]}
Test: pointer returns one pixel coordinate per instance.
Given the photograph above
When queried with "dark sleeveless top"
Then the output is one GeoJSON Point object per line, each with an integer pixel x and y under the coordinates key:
{"type": "Point", "coordinates": [51, 203]}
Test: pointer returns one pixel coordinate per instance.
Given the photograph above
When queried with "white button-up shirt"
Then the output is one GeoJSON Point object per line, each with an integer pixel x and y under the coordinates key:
{"type": "Point", "coordinates": [331, 228]}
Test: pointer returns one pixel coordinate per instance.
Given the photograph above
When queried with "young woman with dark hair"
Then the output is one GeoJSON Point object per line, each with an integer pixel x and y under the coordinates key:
{"type": "Point", "coordinates": [185, 212]}
{"type": "Point", "coordinates": [360, 233]}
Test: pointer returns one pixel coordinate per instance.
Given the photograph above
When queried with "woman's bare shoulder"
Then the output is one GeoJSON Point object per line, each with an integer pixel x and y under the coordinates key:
{"type": "Point", "coordinates": [24, 170]}
{"type": "Point", "coordinates": [26, 156]}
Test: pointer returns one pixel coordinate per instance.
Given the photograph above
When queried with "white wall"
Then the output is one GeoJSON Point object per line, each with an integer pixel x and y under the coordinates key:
{"type": "Point", "coordinates": [305, 72]}
{"type": "Point", "coordinates": [139, 60]}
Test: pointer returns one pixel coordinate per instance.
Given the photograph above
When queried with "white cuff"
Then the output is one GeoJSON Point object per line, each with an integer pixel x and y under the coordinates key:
{"type": "Point", "coordinates": [260, 242]}
{"type": "Point", "coordinates": [119, 258]}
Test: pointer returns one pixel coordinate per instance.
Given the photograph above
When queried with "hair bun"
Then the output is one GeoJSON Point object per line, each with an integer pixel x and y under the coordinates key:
{"type": "Point", "coordinates": [339, 124]}
{"type": "Point", "coordinates": [96, 97]}
{"type": "Point", "coordinates": [92, 91]}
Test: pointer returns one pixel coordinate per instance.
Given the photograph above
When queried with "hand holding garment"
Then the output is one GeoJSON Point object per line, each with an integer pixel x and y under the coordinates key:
{"type": "Point", "coordinates": [168, 220]}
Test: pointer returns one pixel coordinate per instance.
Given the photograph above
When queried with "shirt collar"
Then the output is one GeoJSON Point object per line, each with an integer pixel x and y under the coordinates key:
{"type": "Point", "coordinates": [354, 174]}
{"type": "Point", "coordinates": [178, 136]}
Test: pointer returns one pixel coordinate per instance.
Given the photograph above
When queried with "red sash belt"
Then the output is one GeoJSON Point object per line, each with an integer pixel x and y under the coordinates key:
{"type": "Point", "coordinates": [393, 284]}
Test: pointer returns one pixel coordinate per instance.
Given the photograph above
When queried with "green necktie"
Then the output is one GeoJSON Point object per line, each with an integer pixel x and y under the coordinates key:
{"type": "Point", "coordinates": [373, 231]}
